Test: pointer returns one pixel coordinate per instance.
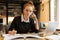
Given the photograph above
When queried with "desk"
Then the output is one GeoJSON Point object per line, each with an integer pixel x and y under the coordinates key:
{"type": "Point", "coordinates": [1, 38]}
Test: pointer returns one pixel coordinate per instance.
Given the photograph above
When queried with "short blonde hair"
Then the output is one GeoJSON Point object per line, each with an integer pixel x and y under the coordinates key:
{"type": "Point", "coordinates": [30, 3]}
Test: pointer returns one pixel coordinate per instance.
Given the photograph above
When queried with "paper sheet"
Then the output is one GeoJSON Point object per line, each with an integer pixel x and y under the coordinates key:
{"type": "Point", "coordinates": [53, 37]}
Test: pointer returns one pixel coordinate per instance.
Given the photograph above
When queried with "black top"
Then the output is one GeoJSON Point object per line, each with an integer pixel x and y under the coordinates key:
{"type": "Point", "coordinates": [23, 27]}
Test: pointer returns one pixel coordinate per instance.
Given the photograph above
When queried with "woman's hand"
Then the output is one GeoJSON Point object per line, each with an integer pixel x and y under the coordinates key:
{"type": "Point", "coordinates": [13, 32]}
{"type": "Point", "coordinates": [33, 16]}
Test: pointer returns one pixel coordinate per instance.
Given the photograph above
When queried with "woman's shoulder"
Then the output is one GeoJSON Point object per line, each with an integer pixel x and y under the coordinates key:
{"type": "Point", "coordinates": [18, 17]}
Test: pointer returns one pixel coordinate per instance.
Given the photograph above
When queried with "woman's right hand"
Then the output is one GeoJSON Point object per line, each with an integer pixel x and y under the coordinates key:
{"type": "Point", "coordinates": [33, 16]}
{"type": "Point", "coordinates": [13, 32]}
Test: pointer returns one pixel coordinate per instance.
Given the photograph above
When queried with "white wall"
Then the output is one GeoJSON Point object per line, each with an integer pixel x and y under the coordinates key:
{"type": "Point", "coordinates": [52, 10]}
{"type": "Point", "coordinates": [58, 13]}
{"type": "Point", "coordinates": [55, 12]}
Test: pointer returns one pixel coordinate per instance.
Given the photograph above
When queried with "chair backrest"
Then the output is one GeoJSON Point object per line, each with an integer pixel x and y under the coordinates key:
{"type": "Point", "coordinates": [1, 24]}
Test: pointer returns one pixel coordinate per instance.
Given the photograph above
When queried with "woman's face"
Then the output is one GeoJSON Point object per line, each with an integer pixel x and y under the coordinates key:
{"type": "Point", "coordinates": [28, 10]}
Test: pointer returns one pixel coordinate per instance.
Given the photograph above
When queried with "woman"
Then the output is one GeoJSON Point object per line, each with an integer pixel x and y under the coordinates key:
{"type": "Point", "coordinates": [25, 23]}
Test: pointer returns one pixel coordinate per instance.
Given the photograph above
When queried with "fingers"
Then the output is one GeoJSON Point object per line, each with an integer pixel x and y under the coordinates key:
{"type": "Point", "coordinates": [34, 16]}
{"type": "Point", "coordinates": [13, 32]}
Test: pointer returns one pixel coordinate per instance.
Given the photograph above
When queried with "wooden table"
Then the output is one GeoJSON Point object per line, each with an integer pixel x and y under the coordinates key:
{"type": "Point", "coordinates": [1, 38]}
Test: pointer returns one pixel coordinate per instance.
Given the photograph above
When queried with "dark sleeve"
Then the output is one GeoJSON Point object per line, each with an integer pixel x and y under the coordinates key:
{"type": "Point", "coordinates": [13, 24]}
{"type": "Point", "coordinates": [33, 28]}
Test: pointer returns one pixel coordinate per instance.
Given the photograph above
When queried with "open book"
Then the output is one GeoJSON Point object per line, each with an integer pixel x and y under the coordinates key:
{"type": "Point", "coordinates": [16, 36]}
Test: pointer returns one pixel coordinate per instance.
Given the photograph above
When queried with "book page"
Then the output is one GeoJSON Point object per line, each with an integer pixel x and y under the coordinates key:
{"type": "Point", "coordinates": [9, 37]}
{"type": "Point", "coordinates": [32, 36]}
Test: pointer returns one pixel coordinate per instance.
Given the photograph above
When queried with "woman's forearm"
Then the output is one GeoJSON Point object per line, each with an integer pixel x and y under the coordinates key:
{"type": "Point", "coordinates": [36, 24]}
